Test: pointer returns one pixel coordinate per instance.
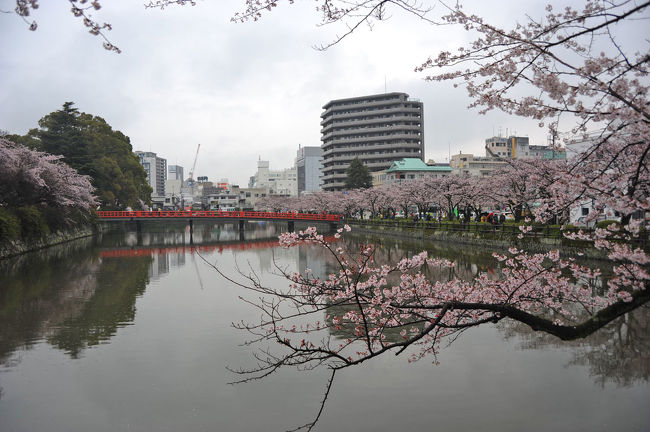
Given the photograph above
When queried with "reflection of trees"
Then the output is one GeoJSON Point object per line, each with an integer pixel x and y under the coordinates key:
{"type": "Point", "coordinates": [618, 353]}
{"type": "Point", "coordinates": [468, 262]}
{"type": "Point", "coordinates": [40, 290]}
{"type": "Point", "coordinates": [68, 296]}
{"type": "Point", "coordinates": [76, 297]}
{"type": "Point", "coordinates": [119, 283]}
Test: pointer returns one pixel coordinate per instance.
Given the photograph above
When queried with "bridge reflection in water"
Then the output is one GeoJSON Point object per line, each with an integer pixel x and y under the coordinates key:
{"type": "Point", "coordinates": [202, 248]}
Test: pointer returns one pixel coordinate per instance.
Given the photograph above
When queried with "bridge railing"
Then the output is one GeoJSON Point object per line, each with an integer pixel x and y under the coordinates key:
{"type": "Point", "coordinates": [217, 214]}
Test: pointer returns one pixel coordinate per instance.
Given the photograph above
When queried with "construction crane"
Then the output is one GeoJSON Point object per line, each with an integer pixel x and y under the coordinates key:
{"type": "Point", "coordinates": [191, 179]}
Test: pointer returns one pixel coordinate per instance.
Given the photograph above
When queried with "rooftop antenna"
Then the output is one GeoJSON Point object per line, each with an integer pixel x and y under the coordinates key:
{"type": "Point", "coordinates": [385, 91]}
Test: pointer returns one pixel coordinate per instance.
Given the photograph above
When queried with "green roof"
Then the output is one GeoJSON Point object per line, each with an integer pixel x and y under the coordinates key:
{"type": "Point", "coordinates": [415, 164]}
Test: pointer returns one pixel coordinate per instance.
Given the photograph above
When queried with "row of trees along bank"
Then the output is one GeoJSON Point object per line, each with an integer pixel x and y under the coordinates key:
{"type": "Point", "coordinates": [52, 178]}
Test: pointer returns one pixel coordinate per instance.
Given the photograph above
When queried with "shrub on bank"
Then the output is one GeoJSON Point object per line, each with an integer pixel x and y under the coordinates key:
{"type": "Point", "coordinates": [9, 225]}
{"type": "Point", "coordinates": [32, 222]}
{"type": "Point", "coordinates": [605, 223]}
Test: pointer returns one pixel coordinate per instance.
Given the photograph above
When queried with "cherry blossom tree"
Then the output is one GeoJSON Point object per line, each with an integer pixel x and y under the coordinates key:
{"type": "Point", "coordinates": [419, 196]}
{"type": "Point", "coordinates": [274, 203]}
{"type": "Point", "coordinates": [520, 184]}
{"type": "Point", "coordinates": [84, 10]}
{"type": "Point", "coordinates": [371, 199]}
{"type": "Point", "coordinates": [81, 9]}
{"type": "Point", "coordinates": [29, 177]}
{"type": "Point", "coordinates": [447, 192]}
{"type": "Point", "coordinates": [479, 192]}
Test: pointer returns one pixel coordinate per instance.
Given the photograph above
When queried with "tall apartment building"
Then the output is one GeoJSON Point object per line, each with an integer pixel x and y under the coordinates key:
{"type": "Point", "coordinates": [156, 169]}
{"type": "Point", "coordinates": [309, 166]}
{"type": "Point", "coordinates": [378, 129]}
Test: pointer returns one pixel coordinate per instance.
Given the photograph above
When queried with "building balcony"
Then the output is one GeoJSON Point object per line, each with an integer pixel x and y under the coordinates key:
{"type": "Point", "coordinates": [352, 143]}
{"type": "Point", "coordinates": [371, 123]}
{"type": "Point", "coordinates": [359, 116]}
{"type": "Point", "coordinates": [342, 134]}
{"type": "Point", "coordinates": [334, 177]}
{"type": "Point", "coordinates": [369, 151]}
{"type": "Point", "coordinates": [358, 104]}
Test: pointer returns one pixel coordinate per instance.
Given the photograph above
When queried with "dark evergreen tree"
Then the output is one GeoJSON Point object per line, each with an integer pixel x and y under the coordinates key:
{"type": "Point", "coordinates": [358, 175]}
{"type": "Point", "coordinates": [89, 145]}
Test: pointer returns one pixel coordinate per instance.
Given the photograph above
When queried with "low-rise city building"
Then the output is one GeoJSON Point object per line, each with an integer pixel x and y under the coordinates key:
{"type": "Point", "coordinates": [248, 197]}
{"type": "Point", "coordinates": [278, 182]}
{"type": "Point", "coordinates": [410, 169]}
{"type": "Point", "coordinates": [478, 166]}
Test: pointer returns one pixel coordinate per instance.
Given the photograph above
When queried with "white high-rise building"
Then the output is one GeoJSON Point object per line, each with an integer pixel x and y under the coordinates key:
{"type": "Point", "coordinates": [156, 169]}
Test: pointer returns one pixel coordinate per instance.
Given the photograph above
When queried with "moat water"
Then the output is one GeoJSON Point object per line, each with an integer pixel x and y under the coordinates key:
{"type": "Point", "coordinates": [133, 332]}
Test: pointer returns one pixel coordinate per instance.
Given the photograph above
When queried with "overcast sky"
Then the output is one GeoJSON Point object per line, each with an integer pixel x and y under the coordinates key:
{"type": "Point", "coordinates": [187, 75]}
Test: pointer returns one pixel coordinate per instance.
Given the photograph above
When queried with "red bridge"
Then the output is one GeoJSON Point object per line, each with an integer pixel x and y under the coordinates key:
{"type": "Point", "coordinates": [215, 214]}
{"type": "Point", "coordinates": [240, 216]}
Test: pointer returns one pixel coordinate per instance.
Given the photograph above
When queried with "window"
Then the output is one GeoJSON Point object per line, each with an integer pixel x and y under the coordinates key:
{"type": "Point", "coordinates": [585, 211]}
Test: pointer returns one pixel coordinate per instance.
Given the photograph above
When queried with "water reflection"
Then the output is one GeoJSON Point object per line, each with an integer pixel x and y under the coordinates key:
{"type": "Point", "coordinates": [107, 304]}
{"type": "Point", "coordinates": [67, 295]}
{"type": "Point", "coordinates": [77, 295]}
{"type": "Point", "coordinates": [618, 354]}
{"type": "Point", "coordinates": [131, 331]}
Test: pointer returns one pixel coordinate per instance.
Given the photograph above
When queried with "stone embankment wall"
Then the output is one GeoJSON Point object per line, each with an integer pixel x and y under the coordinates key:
{"type": "Point", "coordinates": [18, 247]}
{"type": "Point", "coordinates": [532, 244]}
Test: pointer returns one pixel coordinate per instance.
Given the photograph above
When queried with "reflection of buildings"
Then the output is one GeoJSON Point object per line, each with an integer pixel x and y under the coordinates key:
{"type": "Point", "coordinates": [310, 257]}
{"type": "Point", "coordinates": [269, 257]}
{"type": "Point", "coordinates": [164, 261]}
{"type": "Point", "coordinates": [159, 265]}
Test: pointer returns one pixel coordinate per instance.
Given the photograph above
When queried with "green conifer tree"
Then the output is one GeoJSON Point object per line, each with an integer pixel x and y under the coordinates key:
{"type": "Point", "coordinates": [358, 175]}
